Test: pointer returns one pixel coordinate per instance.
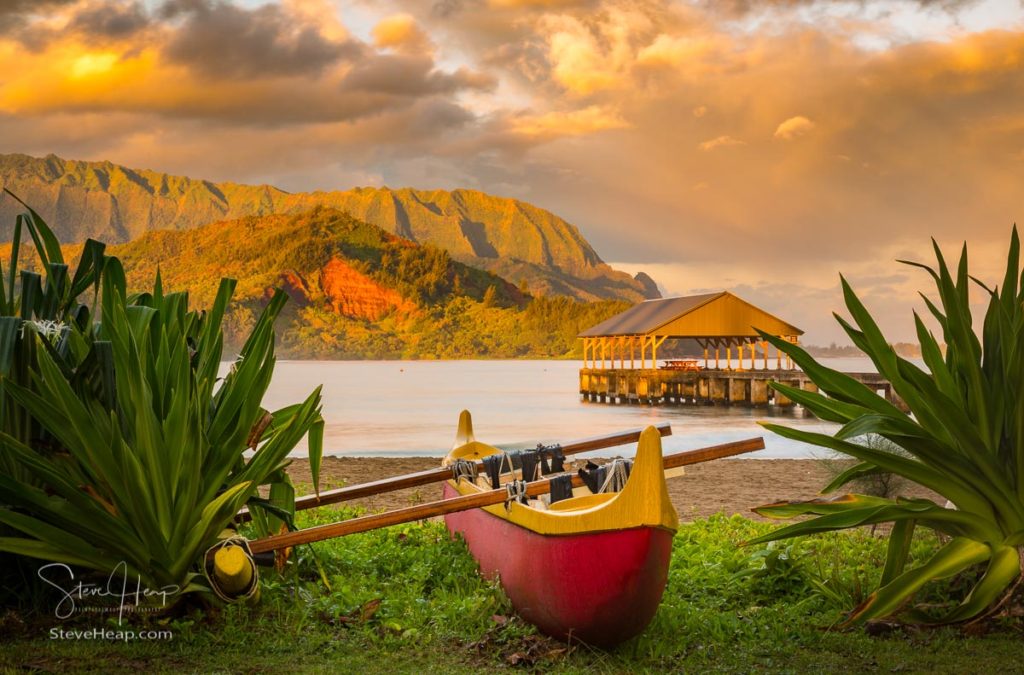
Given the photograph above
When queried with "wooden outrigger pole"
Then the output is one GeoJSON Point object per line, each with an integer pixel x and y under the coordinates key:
{"type": "Point", "coordinates": [444, 473]}
{"type": "Point", "coordinates": [444, 506]}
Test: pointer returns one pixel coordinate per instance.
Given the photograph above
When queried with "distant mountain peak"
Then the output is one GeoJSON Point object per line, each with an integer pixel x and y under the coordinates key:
{"type": "Point", "coordinates": [650, 288]}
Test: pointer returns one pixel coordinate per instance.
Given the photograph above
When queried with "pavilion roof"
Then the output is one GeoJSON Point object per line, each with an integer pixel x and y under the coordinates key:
{"type": "Point", "coordinates": [711, 315]}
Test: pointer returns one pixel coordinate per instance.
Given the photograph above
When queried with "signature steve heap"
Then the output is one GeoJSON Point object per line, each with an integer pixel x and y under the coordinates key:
{"type": "Point", "coordinates": [118, 588]}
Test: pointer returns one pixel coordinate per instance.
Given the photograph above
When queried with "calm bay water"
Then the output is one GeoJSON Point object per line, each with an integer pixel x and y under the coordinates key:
{"type": "Point", "coordinates": [408, 408]}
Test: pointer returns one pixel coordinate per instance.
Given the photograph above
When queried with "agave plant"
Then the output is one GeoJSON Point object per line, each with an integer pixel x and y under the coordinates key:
{"type": "Point", "coordinates": [137, 457]}
{"type": "Point", "coordinates": [965, 438]}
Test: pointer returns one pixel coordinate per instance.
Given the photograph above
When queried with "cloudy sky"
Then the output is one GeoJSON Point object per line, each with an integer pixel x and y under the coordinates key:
{"type": "Point", "coordinates": [758, 145]}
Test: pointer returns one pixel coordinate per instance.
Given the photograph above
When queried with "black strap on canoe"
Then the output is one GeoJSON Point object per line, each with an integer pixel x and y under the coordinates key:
{"type": "Point", "coordinates": [514, 460]}
{"type": "Point", "coordinates": [557, 459]}
{"type": "Point", "coordinates": [492, 466]}
{"type": "Point", "coordinates": [497, 464]}
{"type": "Point", "coordinates": [552, 459]}
{"type": "Point", "coordinates": [593, 476]}
{"type": "Point", "coordinates": [610, 477]}
{"type": "Point", "coordinates": [561, 487]}
{"type": "Point", "coordinates": [530, 464]}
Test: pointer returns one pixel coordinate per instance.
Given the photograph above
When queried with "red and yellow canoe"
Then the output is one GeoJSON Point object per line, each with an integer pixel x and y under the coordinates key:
{"type": "Point", "coordinates": [592, 567]}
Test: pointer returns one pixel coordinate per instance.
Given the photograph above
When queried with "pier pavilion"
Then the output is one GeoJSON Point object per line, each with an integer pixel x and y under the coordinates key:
{"type": "Point", "coordinates": [719, 321]}
{"type": "Point", "coordinates": [620, 355]}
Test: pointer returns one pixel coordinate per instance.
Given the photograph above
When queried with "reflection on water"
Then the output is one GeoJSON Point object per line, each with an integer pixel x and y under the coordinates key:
{"type": "Point", "coordinates": [412, 407]}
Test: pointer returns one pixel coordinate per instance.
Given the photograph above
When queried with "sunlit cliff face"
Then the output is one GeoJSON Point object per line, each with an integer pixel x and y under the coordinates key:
{"type": "Point", "coordinates": [756, 146]}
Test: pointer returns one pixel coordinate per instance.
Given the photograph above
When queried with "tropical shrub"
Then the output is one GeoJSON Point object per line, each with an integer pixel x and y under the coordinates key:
{"type": "Point", "coordinates": [137, 458]}
{"type": "Point", "coordinates": [964, 437]}
{"type": "Point", "coordinates": [47, 306]}
{"type": "Point", "coordinates": [42, 301]}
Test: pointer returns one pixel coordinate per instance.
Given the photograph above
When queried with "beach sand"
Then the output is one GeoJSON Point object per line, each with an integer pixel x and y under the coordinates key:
{"type": "Point", "coordinates": [727, 485]}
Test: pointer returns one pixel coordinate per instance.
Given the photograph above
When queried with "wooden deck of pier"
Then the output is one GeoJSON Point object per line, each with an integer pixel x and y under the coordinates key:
{"type": "Point", "coordinates": [658, 386]}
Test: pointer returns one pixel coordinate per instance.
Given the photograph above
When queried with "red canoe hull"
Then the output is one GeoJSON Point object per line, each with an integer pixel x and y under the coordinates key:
{"type": "Point", "coordinates": [600, 588]}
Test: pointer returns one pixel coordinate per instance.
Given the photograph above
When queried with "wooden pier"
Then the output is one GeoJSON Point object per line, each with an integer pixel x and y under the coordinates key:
{"type": "Point", "coordinates": [714, 322]}
{"type": "Point", "coordinates": [650, 386]}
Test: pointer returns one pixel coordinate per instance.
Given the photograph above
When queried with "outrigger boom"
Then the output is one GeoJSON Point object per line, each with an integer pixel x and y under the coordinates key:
{"type": "Point", "coordinates": [467, 502]}
{"type": "Point", "coordinates": [444, 473]}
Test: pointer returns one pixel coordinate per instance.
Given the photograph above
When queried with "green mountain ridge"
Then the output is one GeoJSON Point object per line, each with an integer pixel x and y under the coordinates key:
{"type": "Point", "coordinates": [509, 237]}
{"type": "Point", "coordinates": [357, 291]}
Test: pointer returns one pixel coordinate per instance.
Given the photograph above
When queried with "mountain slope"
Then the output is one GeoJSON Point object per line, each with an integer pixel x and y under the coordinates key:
{"type": "Point", "coordinates": [512, 238]}
{"type": "Point", "coordinates": [356, 291]}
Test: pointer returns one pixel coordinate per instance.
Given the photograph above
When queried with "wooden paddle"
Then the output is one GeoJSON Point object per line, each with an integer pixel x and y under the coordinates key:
{"type": "Point", "coordinates": [443, 473]}
{"type": "Point", "coordinates": [466, 502]}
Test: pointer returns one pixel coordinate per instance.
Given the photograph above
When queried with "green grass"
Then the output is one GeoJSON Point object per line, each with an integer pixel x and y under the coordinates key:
{"type": "Point", "coordinates": [407, 599]}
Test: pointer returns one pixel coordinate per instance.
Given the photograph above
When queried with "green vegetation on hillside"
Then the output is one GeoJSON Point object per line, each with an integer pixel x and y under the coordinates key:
{"type": "Point", "coordinates": [266, 251]}
{"type": "Point", "coordinates": [357, 292]}
{"type": "Point", "coordinates": [546, 327]}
